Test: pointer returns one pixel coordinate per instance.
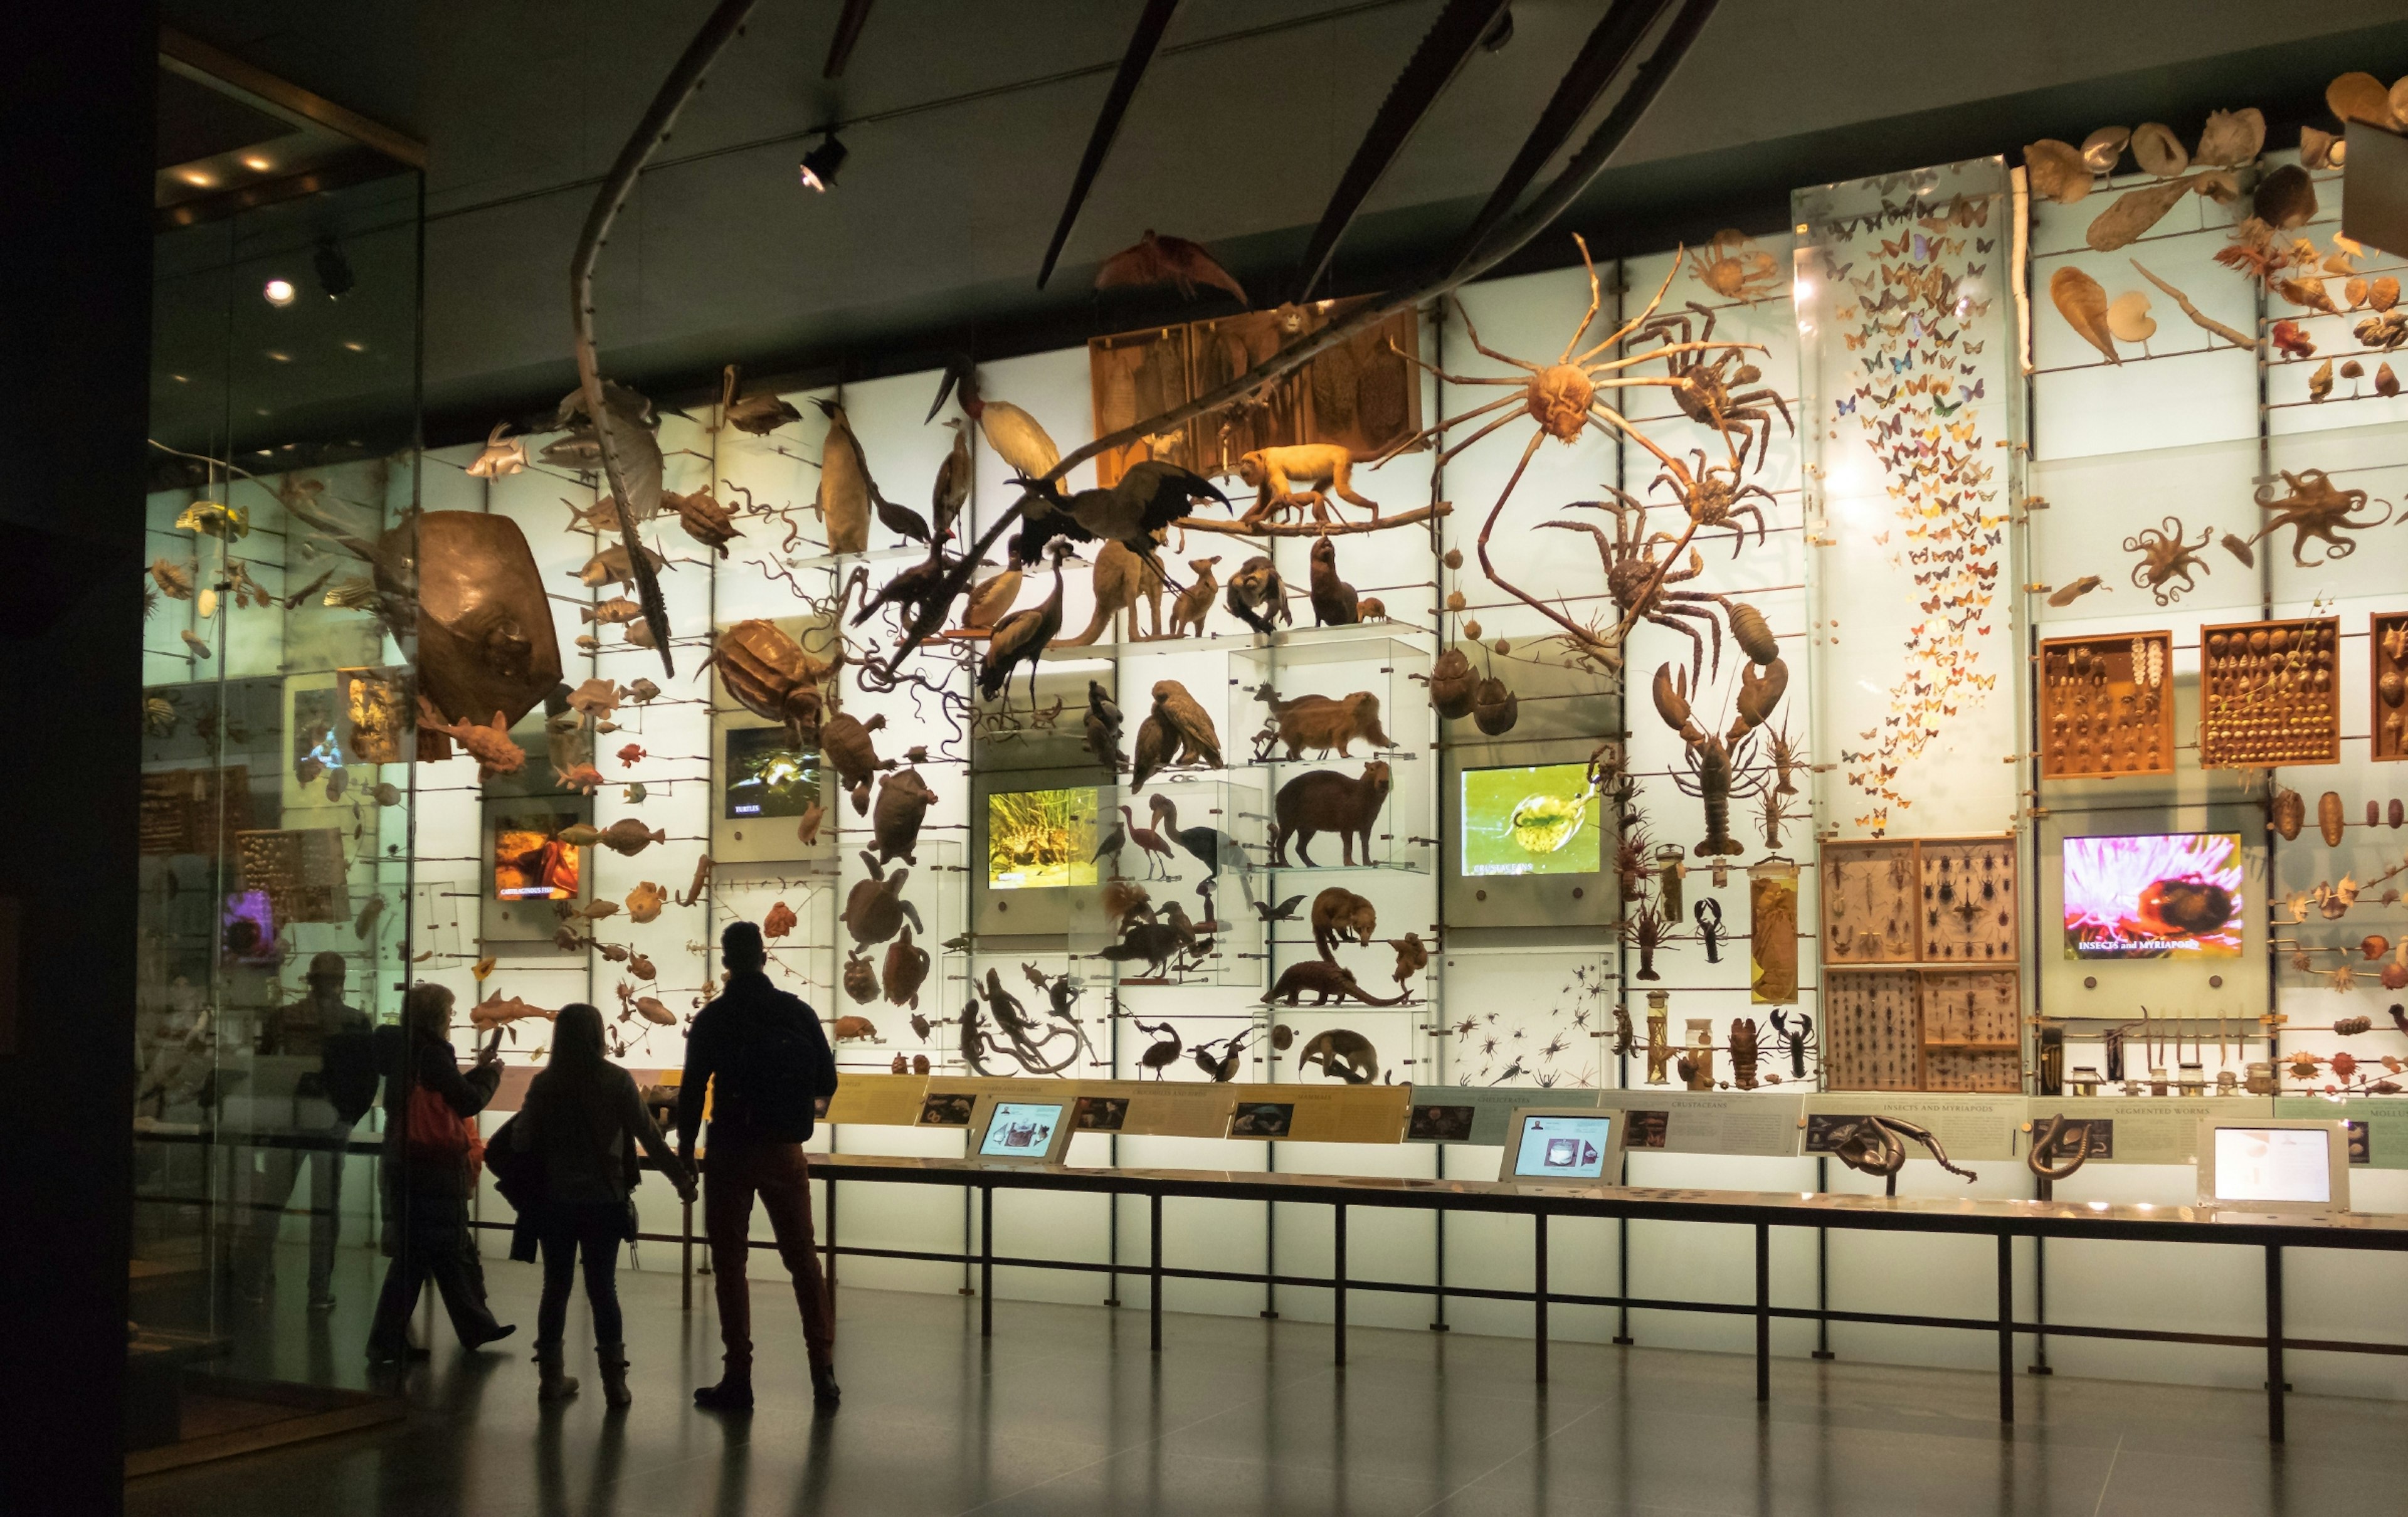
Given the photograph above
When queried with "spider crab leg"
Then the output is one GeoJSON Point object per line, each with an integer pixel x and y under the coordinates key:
{"type": "Point", "coordinates": [1636, 322]}
{"type": "Point", "coordinates": [1594, 298]}
{"type": "Point", "coordinates": [1583, 638]}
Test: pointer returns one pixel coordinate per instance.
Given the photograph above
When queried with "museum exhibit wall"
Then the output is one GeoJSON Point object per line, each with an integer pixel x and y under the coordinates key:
{"type": "Point", "coordinates": [1902, 538]}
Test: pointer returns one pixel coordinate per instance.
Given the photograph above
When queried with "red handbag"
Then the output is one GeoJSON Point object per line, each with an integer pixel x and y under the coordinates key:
{"type": "Point", "coordinates": [435, 1135]}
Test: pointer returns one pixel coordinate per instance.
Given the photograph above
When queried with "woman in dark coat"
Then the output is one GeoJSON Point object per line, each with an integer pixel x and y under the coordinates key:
{"type": "Point", "coordinates": [427, 1194]}
{"type": "Point", "coordinates": [581, 1116]}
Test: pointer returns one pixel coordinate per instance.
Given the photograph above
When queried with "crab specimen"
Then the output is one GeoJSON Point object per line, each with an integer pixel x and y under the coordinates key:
{"type": "Point", "coordinates": [1734, 268]}
{"type": "Point", "coordinates": [1714, 498]}
{"type": "Point", "coordinates": [1639, 583]}
{"type": "Point", "coordinates": [1708, 391]}
{"type": "Point", "coordinates": [2315, 508]}
{"type": "Point", "coordinates": [2167, 555]}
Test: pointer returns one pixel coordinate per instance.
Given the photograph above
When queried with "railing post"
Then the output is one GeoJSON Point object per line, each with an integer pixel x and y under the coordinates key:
{"type": "Point", "coordinates": [1337, 1281]}
{"type": "Point", "coordinates": [1154, 1264]}
{"type": "Point", "coordinates": [2006, 1327]}
{"type": "Point", "coordinates": [986, 1261]}
{"type": "Point", "coordinates": [2274, 1342]}
{"type": "Point", "coordinates": [1539, 1287]}
{"type": "Point", "coordinates": [1763, 1311]}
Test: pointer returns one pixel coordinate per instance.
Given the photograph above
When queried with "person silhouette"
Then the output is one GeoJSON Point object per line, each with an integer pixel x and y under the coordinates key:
{"type": "Point", "coordinates": [334, 1043]}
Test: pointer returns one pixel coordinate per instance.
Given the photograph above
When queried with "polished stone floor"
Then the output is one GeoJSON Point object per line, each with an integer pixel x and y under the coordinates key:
{"type": "Point", "coordinates": [1066, 1412]}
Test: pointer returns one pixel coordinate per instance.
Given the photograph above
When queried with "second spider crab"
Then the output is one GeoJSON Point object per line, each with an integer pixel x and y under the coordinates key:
{"type": "Point", "coordinates": [1639, 584]}
{"type": "Point", "coordinates": [1710, 391]}
{"type": "Point", "coordinates": [1714, 498]}
{"type": "Point", "coordinates": [1734, 268]}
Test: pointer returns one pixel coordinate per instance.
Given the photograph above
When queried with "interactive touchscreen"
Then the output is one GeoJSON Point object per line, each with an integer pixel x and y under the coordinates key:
{"type": "Point", "coordinates": [2152, 897]}
{"type": "Point", "coordinates": [2274, 1164]}
{"type": "Point", "coordinates": [1038, 839]}
{"type": "Point", "coordinates": [1021, 1130]}
{"type": "Point", "coordinates": [1563, 1148]}
{"type": "Point", "coordinates": [1538, 819]}
{"type": "Point", "coordinates": [767, 775]}
{"type": "Point", "coordinates": [533, 859]}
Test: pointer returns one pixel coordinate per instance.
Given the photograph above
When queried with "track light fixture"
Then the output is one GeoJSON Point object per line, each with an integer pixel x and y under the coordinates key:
{"type": "Point", "coordinates": [820, 164]}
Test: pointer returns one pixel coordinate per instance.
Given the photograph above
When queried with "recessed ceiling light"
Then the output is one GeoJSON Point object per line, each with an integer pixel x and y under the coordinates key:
{"type": "Point", "coordinates": [356, 347]}
{"type": "Point", "coordinates": [279, 357]}
{"type": "Point", "coordinates": [256, 164]}
{"type": "Point", "coordinates": [278, 292]}
{"type": "Point", "coordinates": [198, 179]}
{"type": "Point", "coordinates": [179, 379]}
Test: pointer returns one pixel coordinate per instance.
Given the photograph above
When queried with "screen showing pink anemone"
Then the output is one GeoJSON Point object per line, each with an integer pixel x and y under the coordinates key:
{"type": "Point", "coordinates": [2152, 897]}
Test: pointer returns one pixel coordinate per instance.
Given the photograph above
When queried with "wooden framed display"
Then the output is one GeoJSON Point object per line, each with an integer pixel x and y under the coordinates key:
{"type": "Point", "coordinates": [2106, 706]}
{"type": "Point", "coordinates": [1968, 900]}
{"type": "Point", "coordinates": [1923, 1030]}
{"type": "Point", "coordinates": [1972, 1030]}
{"type": "Point", "coordinates": [2386, 637]}
{"type": "Point", "coordinates": [1868, 903]}
{"type": "Point", "coordinates": [2270, 693]}
{"type": "Point", "coordinates": [1872, 1037]}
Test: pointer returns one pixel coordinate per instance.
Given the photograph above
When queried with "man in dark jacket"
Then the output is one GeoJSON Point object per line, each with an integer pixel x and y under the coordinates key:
{"type": "Point", "coordinates": [427, 1194]}
{"type": "Point", "coordinates": [774, 1073]}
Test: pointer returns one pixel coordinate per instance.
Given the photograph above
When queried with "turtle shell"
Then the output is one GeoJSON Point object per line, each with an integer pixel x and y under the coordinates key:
{"type": "Point", "coordinates": [769, 674]}
{"type": "Point", "coordinates": [860, 980]}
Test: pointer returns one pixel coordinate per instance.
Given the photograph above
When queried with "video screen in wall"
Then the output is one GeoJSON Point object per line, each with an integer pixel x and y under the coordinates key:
{"type": "Point", "coordinates": [532, 860]}
{"type": "Point", "coordinates": [1040, 839]}
{"type": "Point", "coordinates": [1531, 819]}
{"type": "Point", "coordinates": [2159, 896]}
{"type": "Point", "coordinates": [767, 775]}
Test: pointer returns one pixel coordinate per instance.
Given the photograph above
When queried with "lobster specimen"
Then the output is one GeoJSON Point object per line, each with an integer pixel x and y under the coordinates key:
{"type": "Point", "coordinates": [1717, 765]}
{"type": "Point", "coordinates": [1877, 1146]}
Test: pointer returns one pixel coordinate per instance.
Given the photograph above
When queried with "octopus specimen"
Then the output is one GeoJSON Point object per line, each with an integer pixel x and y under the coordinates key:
{"type": "Point", "coordinates": [2167, 555]}
{"type": "Point", "coordinates": [2314, 508]}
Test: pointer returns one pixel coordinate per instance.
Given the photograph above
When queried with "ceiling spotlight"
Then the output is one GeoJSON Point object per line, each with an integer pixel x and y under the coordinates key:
{"type": "Point", "coordinates": [256, 164]}
{"type": "Point", "coordinates": [198, 179]}
{"type": "Point", "coordinates": [278, 292]}
{"type": "Point", "coordinates": [334, 274]}
{"type": "Point", "coordinates": [821, 164]}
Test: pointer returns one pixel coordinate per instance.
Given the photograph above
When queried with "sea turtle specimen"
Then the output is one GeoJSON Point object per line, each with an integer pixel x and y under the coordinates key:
{"type": "Point", "coordinates": [876, 909]}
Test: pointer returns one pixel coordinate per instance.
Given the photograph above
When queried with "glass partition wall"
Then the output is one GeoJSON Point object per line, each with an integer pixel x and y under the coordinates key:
{"type": "Point", "coordinates": [276, 811]}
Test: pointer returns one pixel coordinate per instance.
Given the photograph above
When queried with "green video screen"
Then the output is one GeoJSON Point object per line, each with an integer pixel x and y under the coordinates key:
{"type": "Point", "coordinates": [1534, 818]}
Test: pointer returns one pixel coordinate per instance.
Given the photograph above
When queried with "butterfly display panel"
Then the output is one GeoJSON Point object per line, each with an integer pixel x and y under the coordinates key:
{"type": "Point", "coordinates": [2107, 706]}
{"type": "Point", "coordinates": [1970, 899]}
{"type": "Point", "coordinates": [2271, 694]}
{"type": "Point", "coordinates": [1906, 326]}
{"type": "Point", "coordinates": [1869, 903]}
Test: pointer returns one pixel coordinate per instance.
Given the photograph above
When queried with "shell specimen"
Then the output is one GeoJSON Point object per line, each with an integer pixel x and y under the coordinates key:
{"type": "Point", "coordinates": [2083, 302]}
{"type": "Point", "coordinates": [2329, 818]}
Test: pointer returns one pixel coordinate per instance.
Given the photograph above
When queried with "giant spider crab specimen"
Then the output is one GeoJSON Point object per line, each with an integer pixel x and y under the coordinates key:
{"type": "Point", "coordinates": [1708, 391]}
{"type": "Point", "coordinates": [1639, 583]}
{"type": "Point", "coordinates": [1568, 396]}
{"type": "Point", "coordinates": [2315, 508]}
{"type": "Point", "coordinates": [2166, 556]}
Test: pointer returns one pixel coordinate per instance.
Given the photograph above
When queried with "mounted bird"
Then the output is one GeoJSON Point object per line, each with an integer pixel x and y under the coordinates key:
{"type": "Point", "coordinates": [1015, 435]}
{"type": "Point", "coordinates": [1164, 1053]}
{"type": "Point", "coordinates": [1209, 846]}
{"type": "Point", "coordinates": [992, 598]}
{"type": "Point", "coordinates": [952, 490]}
{"type": "Point", "coordinates": [1103, 725]}
{"type": "Point", "coordinates": [846, 489]}
{"type": "Point", "coordinates": [1145, 502]}
{"type": "Point", "coordinates": [1258, 596]}
{"type": "Point", "coordinates": [1022, 636]}
{"type": "Point", "coordinates": [1175, 731]}
{"type": "Point", "coordinates": [758, 415]}
{"type": "Point", "coordinates": [1150, 842]}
